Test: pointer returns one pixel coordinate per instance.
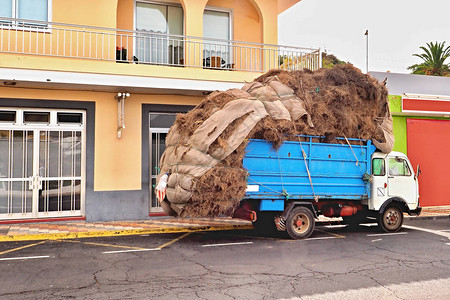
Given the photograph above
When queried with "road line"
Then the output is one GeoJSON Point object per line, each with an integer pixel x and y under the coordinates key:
{"type": "Point", "coordinates": [448, 244]}
{"type": "Point", "coordinates": [335, 226]}
{"type": "Point", "coordinates": [377, 240]}
{"type": "Point", "coordinates": [227, 244]}
{"type": "Point", "coordinates": [369, 224]}
{"type": "Point", "coordinates": [445, 230]}
{"type": "Point", "coordinates": [132, 250]}
{"type": "Point", "coordinates": [25, 257]}
{"type": "Point", "coordinates": [20, 248]}
{"type": "Point", "coordinates": [385, 234]}
{"type": "Point", "coordinates": [323, 238]}
{"type": "Point", "coordinates": [103, 245]}
{"type": "Point", "coordinates": [309, 239]}
{"type": "Point", "coordinates": [174, 240]}
{"type": "Point", "coordinates": [438, 232]}
{"type": "Point", "coordinates": [423, 289]}
{"type": "Point", "coordinates": [332, 233]}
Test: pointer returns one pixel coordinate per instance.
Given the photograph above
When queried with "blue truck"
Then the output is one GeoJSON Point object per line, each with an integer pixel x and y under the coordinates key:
{"type": "Point", "coordinates": [295, 183]}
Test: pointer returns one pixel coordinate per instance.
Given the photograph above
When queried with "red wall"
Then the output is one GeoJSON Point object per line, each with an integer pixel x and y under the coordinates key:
{"type": "Point", "coordinates": [428, 144]}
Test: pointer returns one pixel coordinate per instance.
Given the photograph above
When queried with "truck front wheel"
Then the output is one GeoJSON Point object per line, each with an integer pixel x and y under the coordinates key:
{"type": "Point", "coordinates": [300, 223]}
{"type": "Point", "coordinates": [391, 220]}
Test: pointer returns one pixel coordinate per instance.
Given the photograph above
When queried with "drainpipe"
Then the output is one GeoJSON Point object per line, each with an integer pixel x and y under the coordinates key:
{"type": "Point", "coordinates": [121, 112]}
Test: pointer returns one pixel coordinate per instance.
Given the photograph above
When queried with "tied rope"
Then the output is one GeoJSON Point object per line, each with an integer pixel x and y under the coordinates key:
{"type": "Point", "coordinates": [316, 198]}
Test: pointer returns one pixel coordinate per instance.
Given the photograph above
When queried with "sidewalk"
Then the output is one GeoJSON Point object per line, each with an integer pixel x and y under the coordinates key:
{"type": "Point", "coordinates": [82, 229]}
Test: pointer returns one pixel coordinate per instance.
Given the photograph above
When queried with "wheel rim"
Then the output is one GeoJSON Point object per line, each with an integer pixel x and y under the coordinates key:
{"type": "Point", "coordinates": [392, 218]}
{"type": "Point", "coordinates": [300, 223]}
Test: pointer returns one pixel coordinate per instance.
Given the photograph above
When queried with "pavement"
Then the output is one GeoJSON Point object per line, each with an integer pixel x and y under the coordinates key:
{"type": "Point", "coordinates": [83, 229]}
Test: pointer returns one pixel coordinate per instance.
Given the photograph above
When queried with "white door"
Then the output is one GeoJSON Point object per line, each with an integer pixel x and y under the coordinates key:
{"type": "Point", "coordinates": [401, 181]}
{"type": "Point", "coordinates": [41, 164]}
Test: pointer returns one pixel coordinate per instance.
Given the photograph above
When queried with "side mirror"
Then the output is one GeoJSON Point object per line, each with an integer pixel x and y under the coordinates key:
{"type": "Point", "coordinates": [419, 171]}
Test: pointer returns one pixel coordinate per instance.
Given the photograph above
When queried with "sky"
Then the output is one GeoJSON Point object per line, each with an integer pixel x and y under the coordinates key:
{"type": "Point", "coordinates": [397, 28]}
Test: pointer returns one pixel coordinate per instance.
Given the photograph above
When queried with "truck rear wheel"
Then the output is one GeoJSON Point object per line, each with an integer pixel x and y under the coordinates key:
{"type": "Point", "coordinates": [300, 223]}
{"type": "Point", "coordinates": [391, 220]}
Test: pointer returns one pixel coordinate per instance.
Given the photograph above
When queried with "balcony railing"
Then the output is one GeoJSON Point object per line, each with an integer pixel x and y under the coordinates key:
{"type": "Point", "coordinates": [146, 47]}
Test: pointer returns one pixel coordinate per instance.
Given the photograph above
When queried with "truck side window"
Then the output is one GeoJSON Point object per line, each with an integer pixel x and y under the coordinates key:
{"type": "Point", "coordinates": [378, 167]}
{"type": "Point", "coordinates": [398, 167]}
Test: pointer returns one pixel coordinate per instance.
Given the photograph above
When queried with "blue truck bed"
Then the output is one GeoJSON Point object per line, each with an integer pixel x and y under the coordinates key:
{"type": "Point", "coordinates": [336, 171]}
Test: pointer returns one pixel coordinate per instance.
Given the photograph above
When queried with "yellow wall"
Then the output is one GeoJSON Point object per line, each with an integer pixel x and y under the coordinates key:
{"type": "Point", "coordinates": [101, 13]}
{"type": "Point", "coordinates": [117, 162]}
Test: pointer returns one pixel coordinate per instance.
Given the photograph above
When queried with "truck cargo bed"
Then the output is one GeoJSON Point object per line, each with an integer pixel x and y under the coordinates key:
{"type": "Point", "coordinates": [336, 170]}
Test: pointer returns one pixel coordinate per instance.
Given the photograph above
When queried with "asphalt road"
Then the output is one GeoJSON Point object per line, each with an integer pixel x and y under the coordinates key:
{"type": "Point", "coordinates": [334, 263]}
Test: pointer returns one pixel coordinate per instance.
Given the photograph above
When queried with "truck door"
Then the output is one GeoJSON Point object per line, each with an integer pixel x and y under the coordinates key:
{"type": "Point", "coordinates": [401, 181]}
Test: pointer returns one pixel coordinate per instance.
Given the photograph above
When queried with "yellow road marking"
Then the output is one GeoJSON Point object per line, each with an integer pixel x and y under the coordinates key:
{"type": "Point", "coordinates": [20, 248]}
{"type": "Point", "coordinates": [331, 233]}
{"type": "Point", "coordinates": [174, 240]}
{"type": "Point", "coordinates": [104, 245]}
{"type": "Point", "coordinates": [78, 235]}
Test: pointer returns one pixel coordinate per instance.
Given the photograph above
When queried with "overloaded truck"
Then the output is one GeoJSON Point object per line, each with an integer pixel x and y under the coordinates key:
{"type": "Point", "coordinates": [295, 183]}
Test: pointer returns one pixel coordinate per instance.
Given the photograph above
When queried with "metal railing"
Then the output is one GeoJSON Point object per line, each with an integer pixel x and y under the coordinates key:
{"type": "Point", "coordinates": [146, 47]}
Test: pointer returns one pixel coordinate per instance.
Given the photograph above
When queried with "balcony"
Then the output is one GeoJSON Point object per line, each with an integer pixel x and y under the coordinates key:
{"type": "Point", "coordinates": [138, 52]}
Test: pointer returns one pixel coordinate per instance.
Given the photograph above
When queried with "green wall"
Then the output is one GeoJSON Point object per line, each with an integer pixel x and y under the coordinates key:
{"type": "Point", "coordinates": [395, 105]}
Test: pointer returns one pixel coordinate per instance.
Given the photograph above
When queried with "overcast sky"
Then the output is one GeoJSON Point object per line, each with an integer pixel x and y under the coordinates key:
{"type": "Point", "coordinates": [397, 28]}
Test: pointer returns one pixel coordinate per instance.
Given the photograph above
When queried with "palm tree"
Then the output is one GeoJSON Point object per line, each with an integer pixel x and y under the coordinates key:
{"type": "Point", "coordinates": [433, 60]}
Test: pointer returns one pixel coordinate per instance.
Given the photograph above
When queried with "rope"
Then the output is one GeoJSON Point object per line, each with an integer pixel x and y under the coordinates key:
{"type": "Point", "coordinates": [366, 177]}
{"type": "Point", "coordinates": [316, 198]}
{"type": "Point", "coordinates": [284, 192]}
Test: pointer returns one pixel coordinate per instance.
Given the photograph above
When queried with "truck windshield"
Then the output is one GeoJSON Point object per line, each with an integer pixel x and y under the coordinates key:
{"type": "Point", "coordinates": [398, 167]}
{"type": "Point", "coordinates": [378, 167]}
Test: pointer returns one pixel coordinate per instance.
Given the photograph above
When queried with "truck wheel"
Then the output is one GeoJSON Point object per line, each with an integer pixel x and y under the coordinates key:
{"type": "Point", "coordinates": [300, 223]}
{"type": "Point", "coordinates": [391, 220]}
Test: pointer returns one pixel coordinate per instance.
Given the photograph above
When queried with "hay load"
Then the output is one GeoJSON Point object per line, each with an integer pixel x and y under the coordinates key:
{"type": "Point", "coordinates": [206, 146]}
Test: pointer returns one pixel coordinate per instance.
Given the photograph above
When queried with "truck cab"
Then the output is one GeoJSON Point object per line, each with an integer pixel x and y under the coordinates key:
{"type": "Point", "coordinates": [394, 189]}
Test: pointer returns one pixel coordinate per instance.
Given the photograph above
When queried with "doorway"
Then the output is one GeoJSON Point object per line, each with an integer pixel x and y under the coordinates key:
{"type": "Point", "coordinates": [42, 163]}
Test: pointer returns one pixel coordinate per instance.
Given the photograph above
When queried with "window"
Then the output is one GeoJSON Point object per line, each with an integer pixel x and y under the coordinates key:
{"type": "Point", "coordinates": [398, 167]}
{"type": "Point", "coordinates": [378, 168]}
{"type": "Point", "coordinates": [156, 23]}
{"type": "Point", "coordinates": [25, 9]}
{"type": "Point", "coordinates": [7, 116]}
{"type": "Point", "coordinates": [36, 117]}
{"type": "Point", "coordinates": [74, 118]}
{"type": "Point", "coordinates": [216, 25]}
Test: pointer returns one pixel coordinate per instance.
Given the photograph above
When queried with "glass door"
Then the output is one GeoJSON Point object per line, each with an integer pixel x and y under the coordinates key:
{"type": "Point", "coordinates": [42, 156]}
{"type": "Point", "coordinates": [155, 23]}
{"type": "Point", "coordinates": [16, 171]}
{"type": "Point", "coordinates": [159, 127]}
{"type": "Point", "coordinates": [216, 25]}
{"type": "Point", "coordinates": [59, 172]}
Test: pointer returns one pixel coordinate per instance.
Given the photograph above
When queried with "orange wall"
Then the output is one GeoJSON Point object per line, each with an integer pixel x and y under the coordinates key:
{"type": "Point", "coordinates": [117, 162]}
{"type": "Point", "coordinates": [246, 22]}
{"type": "Point", "coordinates": [100, 13]}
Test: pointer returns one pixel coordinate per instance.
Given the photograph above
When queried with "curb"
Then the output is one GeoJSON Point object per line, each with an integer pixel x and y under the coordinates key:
{"type": "Point", "coordinates": [428, 217]}
{"type": "Point", "coordinates": [78, 235]}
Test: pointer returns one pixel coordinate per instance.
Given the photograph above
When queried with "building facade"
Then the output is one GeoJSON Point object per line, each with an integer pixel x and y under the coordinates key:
{"type": "Point", "coordinates": [421, 111]}
{"type": "Point", "coordinates": [89, 89]}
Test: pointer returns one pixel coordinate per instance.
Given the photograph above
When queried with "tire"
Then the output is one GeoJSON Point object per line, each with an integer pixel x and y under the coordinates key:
{"type": "Point", "coordinates": [300, 223]}
{"type": "Point", "coordinates": [391, 220]}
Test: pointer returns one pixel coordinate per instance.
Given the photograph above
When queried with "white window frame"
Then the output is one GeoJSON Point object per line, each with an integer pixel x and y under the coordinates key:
{"type": "Point", "coordinates": [15, 24]}
{"type": "Point", "coordinates": [230, 12]}
{"type": "Point", "coordinates": [166, 3]}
